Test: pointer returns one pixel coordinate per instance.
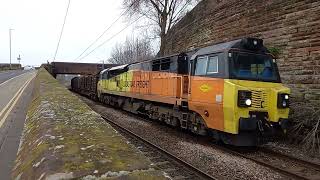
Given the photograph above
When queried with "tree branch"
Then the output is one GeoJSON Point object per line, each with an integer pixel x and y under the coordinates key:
{"type": "Point", "coordinates": [182, 9]}
{"type": "Point", "coordinates": [172, 2]}
{"type": "Point", "coordinates": [155, 6]}
{"type": "Point", "coordinates": [148, 16]}
{"type": "Point", "coordinates": [161, 3]}
{"type": "Point", "coordinates": [165, 13]}
{"type": "Point", "coordinates": [172, 13]}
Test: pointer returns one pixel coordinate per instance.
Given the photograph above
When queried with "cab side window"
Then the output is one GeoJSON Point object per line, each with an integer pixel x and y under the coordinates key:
{"type": "Point", "coordinates": [213, 65]}
{"type": "Point", "coordinates": [207, 65]}
{"type": "Point", "coordinates": [105, 75]}
{"type": "Point", "coordinates": [201, 66]}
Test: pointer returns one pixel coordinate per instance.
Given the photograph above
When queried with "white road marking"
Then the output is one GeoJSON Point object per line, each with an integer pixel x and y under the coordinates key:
{"type": "Point", "coordinates": [13, 101]}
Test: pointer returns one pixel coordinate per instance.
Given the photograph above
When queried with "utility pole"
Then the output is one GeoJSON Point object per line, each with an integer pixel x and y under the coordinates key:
{"type": "Point", "coordinates": [10, 45]}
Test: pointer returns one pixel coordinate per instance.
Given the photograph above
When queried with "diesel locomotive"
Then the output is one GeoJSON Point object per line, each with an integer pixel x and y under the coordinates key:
{"type": "Point", "coordinates": [230, 91]}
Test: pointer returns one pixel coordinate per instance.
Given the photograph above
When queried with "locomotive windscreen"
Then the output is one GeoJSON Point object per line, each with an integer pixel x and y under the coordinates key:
{"type": "Point", "coordinates": [256, 67]}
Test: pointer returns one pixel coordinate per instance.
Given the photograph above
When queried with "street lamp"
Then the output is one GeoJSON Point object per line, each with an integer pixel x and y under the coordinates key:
{"type": "Point", "coordinates": [10, 45]}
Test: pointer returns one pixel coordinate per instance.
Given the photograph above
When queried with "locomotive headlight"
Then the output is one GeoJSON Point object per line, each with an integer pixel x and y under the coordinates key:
{"type": "Point", "coordinates": [283, 100]}
{"type": "Point", "coordinates": [284, 104]}
{"type": "Point", "coordinates": [248, 102]}
{"type": "Point", "coordinates": [286, 96]}
{"type": "Point", "coordinates": [244, 98]}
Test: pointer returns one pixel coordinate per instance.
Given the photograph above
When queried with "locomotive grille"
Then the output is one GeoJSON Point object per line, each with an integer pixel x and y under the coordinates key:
{"type": "Point", "coordinates": [259, 99]}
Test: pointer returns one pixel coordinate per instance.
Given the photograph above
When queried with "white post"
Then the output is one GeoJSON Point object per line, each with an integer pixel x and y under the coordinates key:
{"type": "Point", "coordinates": [10, 45]}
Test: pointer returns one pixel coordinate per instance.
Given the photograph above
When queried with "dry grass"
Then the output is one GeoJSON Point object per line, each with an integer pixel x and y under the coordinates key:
{"type": "Point", "coordinates": [306, 126]}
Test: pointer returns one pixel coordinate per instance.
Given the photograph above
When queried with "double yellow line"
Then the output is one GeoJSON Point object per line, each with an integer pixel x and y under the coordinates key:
{"type": "Point", "coordinates": [6, 110]}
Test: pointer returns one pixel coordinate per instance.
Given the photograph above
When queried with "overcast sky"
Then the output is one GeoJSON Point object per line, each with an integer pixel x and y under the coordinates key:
{"type": "Point", "coordinates": [37, 25]}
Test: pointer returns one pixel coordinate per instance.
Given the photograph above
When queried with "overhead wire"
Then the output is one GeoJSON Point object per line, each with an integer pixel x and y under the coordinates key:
{"type": "Point", "coordinates": [62, 29]}
{"type": "Point", "coordinates": [101, 35]}
{"type": "Point", "coordinates": [106, 30]}
{"type": "Point", "coordinates": [110, 38]}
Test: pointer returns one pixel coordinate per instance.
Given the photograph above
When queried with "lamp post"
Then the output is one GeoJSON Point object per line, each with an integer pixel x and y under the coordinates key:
{"type": "Point", "coordinates": [10, 45]}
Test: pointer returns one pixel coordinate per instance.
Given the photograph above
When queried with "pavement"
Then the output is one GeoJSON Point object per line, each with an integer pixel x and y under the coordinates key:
{"type": "Point", "coordinates": [16, 89]}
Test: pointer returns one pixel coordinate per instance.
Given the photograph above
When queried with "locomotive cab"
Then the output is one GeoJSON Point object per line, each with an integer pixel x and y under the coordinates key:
{"type": "Point", "coordinates": [262, 106]}
{"type": "Point", "coordinates": [238, 87]}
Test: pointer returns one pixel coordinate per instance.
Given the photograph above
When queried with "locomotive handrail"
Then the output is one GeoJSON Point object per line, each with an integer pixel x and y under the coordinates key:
{"type": "Point", "coordinates": [166, 77]}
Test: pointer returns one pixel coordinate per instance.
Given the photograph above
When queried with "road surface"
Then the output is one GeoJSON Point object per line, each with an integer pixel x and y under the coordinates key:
{"type": "Point", "coordinates": [16, 89]}
{"type": "Point", "coordinates": [4, 76]}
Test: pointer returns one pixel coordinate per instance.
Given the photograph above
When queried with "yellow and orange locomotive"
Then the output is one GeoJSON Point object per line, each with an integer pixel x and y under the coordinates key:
{"type": "Point", "coordinates": [231, 91]}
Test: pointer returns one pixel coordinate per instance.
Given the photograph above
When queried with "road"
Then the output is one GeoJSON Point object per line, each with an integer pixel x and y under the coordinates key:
{"type": "Point", "coordinates": [16, 91]}
{"type": "Point", "coordinates": [9, 74]}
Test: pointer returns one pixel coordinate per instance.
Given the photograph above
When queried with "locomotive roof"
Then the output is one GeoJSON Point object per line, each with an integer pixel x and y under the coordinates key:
{"type": "Point", "coordinates": [114, 68]}
{"type": "Point", "coordinates": [101, 72]}
{"type": "Point", "coordinates": [118, 67]}
{"type": "Point", "coordinates": [249, 44]}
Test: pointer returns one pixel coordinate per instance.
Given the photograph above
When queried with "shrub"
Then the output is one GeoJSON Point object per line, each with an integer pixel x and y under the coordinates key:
{"type": "Point", "coordinates": [306, 126]}
{"type": "Point", "coordinates": [275, 51]}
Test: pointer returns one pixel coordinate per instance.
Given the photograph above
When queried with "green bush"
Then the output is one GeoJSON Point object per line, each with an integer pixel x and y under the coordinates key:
{"type": "Point", "coordinates": [275, 51]}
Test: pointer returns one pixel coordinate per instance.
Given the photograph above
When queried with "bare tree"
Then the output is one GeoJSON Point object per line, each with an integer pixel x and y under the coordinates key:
{"type": "Point", "coordinates": [132, 50]}
{"type": "Point", "coordinates": [164, 13]}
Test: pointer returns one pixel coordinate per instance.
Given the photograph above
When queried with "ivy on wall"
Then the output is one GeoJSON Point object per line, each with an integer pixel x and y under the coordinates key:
{"type": "Point", "coordinates": [275, 51]}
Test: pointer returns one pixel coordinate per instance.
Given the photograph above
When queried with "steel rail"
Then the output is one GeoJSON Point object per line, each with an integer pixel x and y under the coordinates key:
{"type": "Point", "coordinates": [281, 171]}
{"type": "Point", "coordinates": [298, 160]}
{"type": "Point", "coordinates": [186, 164]}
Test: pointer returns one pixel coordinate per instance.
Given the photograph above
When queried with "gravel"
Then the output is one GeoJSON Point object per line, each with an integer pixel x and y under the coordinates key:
{"type": "Point", "coordinates": [188, 147]}
{"type": "Point", "coordinates": [294, 151]}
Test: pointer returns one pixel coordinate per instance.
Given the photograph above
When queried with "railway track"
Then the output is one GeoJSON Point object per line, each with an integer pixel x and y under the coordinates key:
{"type": "Point", "coordinates": [173, 166]}
{"type": "Point", "coordinates": [284, 164]}
{"type": "Point", "coordinates": [308, 163]}
{"type": "Point", "coordinates": [306, 168]}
